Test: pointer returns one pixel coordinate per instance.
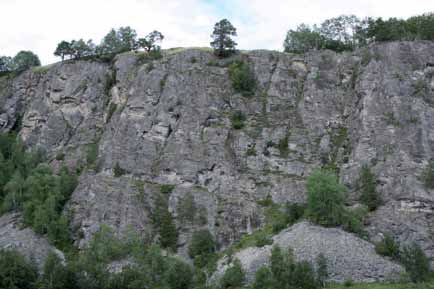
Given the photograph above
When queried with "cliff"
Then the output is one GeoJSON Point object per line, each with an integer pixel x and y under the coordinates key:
{"type": "Point", "coordinates": [168, 121]}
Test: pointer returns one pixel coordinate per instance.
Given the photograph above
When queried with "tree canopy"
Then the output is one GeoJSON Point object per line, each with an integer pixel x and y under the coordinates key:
{"type": "Point", "coordinates": [223, 43]}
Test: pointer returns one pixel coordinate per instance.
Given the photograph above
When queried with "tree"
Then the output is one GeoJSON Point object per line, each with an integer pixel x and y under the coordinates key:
{"type": "Point", "coordinates": [118, 41]}
{"type": "Point", "coordinates": [242, 77]}
{"type": "Point", "coordinates": [234, 276]}
{"type": "Point", "coordinates": [222, 42]}
{"type": "Point", "coordinates": [303, 39]}
{"type": "Point", "coordinates": [179, 275]}
{"type": "Point", "coordinates": [263, 279]}
{"type": "Point", "coordinates": [322, 272]}
{"type": "Point", "coordinates": [80, 48]}
{"type": "Point", "coordinates": [149, 43]}
{"type": "Point", "coordinates": [341, 30]}
{"type": "Point", "coordinates": [56, 275]}
{"type": "Point", "coordinates": [128, 38]}
{"type": "Point", "coordinates": [202, 243]}
{"type": "Point", "coordinates": [416, 263]}
{"type": "Point", "coordinates": [367, 186]}
{"type": "Point", "coordinates": [6, 64]}
{"type": "Point", "coordinates": [63, 49]}
{"type": "Point", "coordinates": [24, 60]}
{"type": "Point", "coordinates": [16, 272]}
{"type": "Point", "coordinates": [325, 198]}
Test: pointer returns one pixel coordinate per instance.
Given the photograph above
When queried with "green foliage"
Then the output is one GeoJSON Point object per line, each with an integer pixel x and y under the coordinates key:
{"type": "Point", "coordinates": [242, 77]}
{"type": "Point", "coordinates": [164, 224]}
{"type": "Point", "coordinates": [166, 188]}
{"type": "Point", "coordinates": [92, 154]}
{"type": "Point", "coordinates": [428, 175]}
{"type": "Point", "coordinates": [179, 275]}
{"type": "Point", "coordinates": [56, 275]}
{"type": "Point", "coordinates": [263, 279]}
{"type": "Point", "coordinates": [325, 198]}
{"type": "Point", "coordinates": [202, 244]}
{"type": "Point", "coordinates": [295, 212]}
{"type": "Point", "coordinates": [234, 277]}
{"type": "Point", "coordinates": [287, 273]}
{"type": "Point", "coordinates": [237, 119]}
{"type": "Point", "coordinates": [388, 247]}
{"type": "Point", "coordinates": [112, 109]}
{"type": "Point", "coordinates": [367, 186]}
{"type": "Point", "coordinates": [118, 171]}
{"type": "Point", "coordinates": [416, 263]}
{"type": "Point", "coordinates": [322, 270]}
{"type": "Point", "coordinates": [16, 272]}
{"type": "Point", "coordinates": [222, 43]}
{"type": "Point", "coordinates": [353, 221]}
{"type": "Point", "coordinates": [24, 60]}
{"type": "Point", "coordinates": [283, 146]}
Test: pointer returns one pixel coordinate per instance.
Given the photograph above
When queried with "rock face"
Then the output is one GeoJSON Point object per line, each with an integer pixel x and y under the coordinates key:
{"type": "Point", "coordinates": [32, 246]}
{"type": "Point", "coordinates": [168, 121]}
{"type": "Point", "coordinates": [348, 257]}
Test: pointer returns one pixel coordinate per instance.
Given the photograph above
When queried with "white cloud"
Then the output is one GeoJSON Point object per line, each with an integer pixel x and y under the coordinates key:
{"type": "Point", "coordinates": [40, 25]}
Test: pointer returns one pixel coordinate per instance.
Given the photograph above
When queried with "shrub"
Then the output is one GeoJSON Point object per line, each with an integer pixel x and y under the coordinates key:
{"type": "Point", "coordinates": [56, 275]}
{"type": "Point", "coordinates": [164, 224]}
{"type": "Point", "coordinates": [283, 146]}
{"type": "Point", "coordinates": [416, 263]}
{"type": "Point", "coordinates": [295, 212]}
{"type": "Point", "coordinates": [368, 193]}
{"type": "Point", "coordinates": [92, 154]}
{"type": "Point", "coordinates": [237, 119]}
{"type": "Point", "coordinates": [322, 271]}
{"type": "Point", "coordinates": [166, 188]}
{"type": "Point", "coordinates": [353, 221]}
{"type": "Point", "coordinates": [118, 171]}
{"type": "Point", "coordinates": [179, 275]}
{"type": "Point", "coordinates": [243, 79]}
{"type": "Point", "coordinates": [325, 198]}
{"type": "Point", "coordinates": [234, 277]}
{"type": "Point", "coordinates": [262, 239]}
{"type": "Point", "coordinates": [263, 279]}
{"type": "Point", "coordinates": [388, 247]}
{"type": "Point", "coordinates": [16, 272]}
{"type": "Point", "coordinates": [202, 243]}
{"type": "Point", "coordinates": [428, 175]}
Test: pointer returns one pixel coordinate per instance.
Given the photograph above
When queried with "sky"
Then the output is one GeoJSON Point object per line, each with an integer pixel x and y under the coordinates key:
{"type": "Point", "coordinates": [38, 25]}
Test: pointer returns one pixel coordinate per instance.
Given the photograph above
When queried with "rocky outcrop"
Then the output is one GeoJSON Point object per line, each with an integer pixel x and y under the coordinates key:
{"type": "Point", "coordinates": [348, 257]}
{"type": "Point", "coordinates": [13, 236]}
{"type": "Point", "coordinates": [167, 121]}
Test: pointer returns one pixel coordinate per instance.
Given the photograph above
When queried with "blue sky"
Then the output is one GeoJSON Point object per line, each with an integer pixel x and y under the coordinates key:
{"type": "Point", "coordinates": [40, 25]}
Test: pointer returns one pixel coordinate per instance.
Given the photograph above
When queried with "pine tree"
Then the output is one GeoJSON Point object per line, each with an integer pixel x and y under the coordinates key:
{"type": "Point", "coordinates": [222, 42]}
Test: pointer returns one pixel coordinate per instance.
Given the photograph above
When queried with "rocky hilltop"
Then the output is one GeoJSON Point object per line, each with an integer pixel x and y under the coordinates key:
{"type": "Point", "coordinates": [167, 122]}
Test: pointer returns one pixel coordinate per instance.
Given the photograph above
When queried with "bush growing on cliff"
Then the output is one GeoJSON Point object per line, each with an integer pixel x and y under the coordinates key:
{"type": "Point", "coordinates": [388, 247]}
{"type": "Point", "coordinates": [237, 119]}
{"type": "Point", "coordinates": [234, 277]}
{"type": "Point", "coordinates": [242, 77]}
{"type": "Point", "coordinates": [368, 193]}
{"type": "Point", "coordinates": [325, 198]}
{"type": "Point", "coordinates": [164, 224]}
{"type": "Point", "coordinates": [202, 243]}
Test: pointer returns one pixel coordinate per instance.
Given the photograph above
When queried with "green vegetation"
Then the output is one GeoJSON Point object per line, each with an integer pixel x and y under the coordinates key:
{"type": "Point", "coordinates": [243, 79]}
{"type": "Point", "coordinates": [347, 32]}
{"type": "Point", "coordinates": [202, 248]}
{"type": "Point", "coordinates": [237, 119]}
{"type": "Point", "coordinates": [118, 171]}
{"type": "Point", "coordinates": [234, 277]}
{"type": "Point", "coordinates": [166, 188]}
{"type": "Point", "coordinates": [91, 154]}
{"type": "Point", "coordinates": [283, 146]}
{"type": "Point", "coordinates": [325, 198]}
{"type": "Point", "coordinates": [23, 60]}
{"type": "Point", "coordinates": [117, 41]}
{"type": "Point", "coordinates": [16, 272]}
{"type": "Point", "coordinates": [164, 224]}
{"type": "Point", "coordinates": [222, 43]}
{"type": "Point", "coordinates": [284, 272]}
{"type": "Point", "coordinates": [388, 247]}
{"type": "Point", "coordinates": [428, 175]}
{"type": "Point", "coordinates": [415, 262]}
{"type": "Point", "coordinates": [30, 186]}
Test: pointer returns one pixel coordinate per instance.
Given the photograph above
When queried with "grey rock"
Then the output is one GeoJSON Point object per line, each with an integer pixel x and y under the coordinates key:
{"type": "Point", "coordinates": [348, 257]}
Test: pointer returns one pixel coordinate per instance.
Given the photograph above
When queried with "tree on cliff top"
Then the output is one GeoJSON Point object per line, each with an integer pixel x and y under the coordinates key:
{"type": "Point", "coordinates": [222, 42]}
